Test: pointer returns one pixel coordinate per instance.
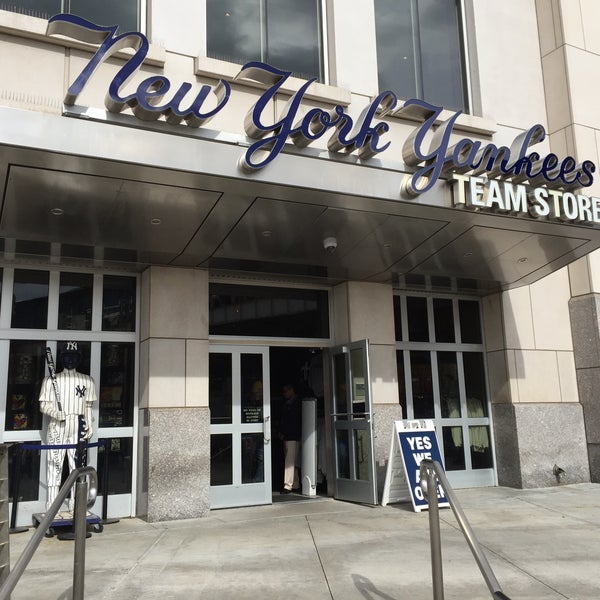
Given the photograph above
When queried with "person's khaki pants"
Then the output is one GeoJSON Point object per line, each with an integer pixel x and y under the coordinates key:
{"type": "Point", "coordinates": [290, 471]}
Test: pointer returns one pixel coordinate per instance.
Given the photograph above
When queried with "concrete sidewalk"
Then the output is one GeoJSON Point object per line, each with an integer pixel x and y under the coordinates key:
{"type": "Point", "coordinates": [540, 543]}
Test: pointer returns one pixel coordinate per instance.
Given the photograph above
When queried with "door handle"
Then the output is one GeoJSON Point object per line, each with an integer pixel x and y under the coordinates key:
{"type": "Point", "coordinates": [265, 421]}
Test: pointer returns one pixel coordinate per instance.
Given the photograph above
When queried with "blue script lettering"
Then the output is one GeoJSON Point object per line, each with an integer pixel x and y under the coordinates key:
{"type": "Point", "coordinates": [516, 162]}
{"type": "Point", "coordinates": [363, 136]}
{"type": "Point", "coordinates": [145, 101]}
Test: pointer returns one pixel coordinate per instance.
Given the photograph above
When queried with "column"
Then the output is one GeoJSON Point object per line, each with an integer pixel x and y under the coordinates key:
{"type": "Point", "coordinates": [174, 442]}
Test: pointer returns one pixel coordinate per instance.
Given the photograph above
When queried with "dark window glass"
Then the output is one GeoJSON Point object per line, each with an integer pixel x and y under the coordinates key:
{"type": "Point", "coordinates": [419, 50]}
{"type": "Point", "coordinates": [43, 9]}
{"type": "Point", "coordinates": [418, 322]}
{"type": "Point", "coordinates": [422, 385]}
{"type": "Point", "coordinates": [120, 452]}
{"type": "Point", "coordinates": [252, 388]}
{"type": "Point", "coordinates": [401, 382]}
{"type": "Point", "coordinates": [253, 455]}
{"type": "Point", "coordinates": [220, 396]}
{"type": "Point", "coordinates": [116, 384]}
{"type": "Point", "coordinates": [341, 386]}
{"type": "Point", "coordinates": [118, 303]}
{"type": "Point", "coordinates": [24, 471]}
{"type": "Point", "coordinates": [123, 13]}
{"type": "Point", "coordinates": [470, 321]}
{"type": "Point", "coordinates": [26, 366]}
{"type": "Point", "coordinates": [283, 33]}
{"type": "Point", "coordinates": [30, 299]}
{"type": "Point", "coordinates": [448, 380]}
{"type": "Point", "coordinates": [443, 317]}
{"type": "Point", "coordinates": [342, 438]}
{"type": "Point", "coordinates": [75, 301]}
{"type": "Point", "coordinates": [267, 311]}
{"type": "Point", "coordinates": [398, 318]}
{"type": "Point", "coordinates": [475, 384]}
{"type": "Point", "coordinates": [221, 459]}
{"type": "Point", "coordinates": [481, 451]}
{"type": "Point", "coordinates": [454, 453]}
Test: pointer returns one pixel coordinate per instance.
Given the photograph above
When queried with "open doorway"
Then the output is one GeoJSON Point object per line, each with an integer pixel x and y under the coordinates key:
{"type": "Point", "coordinates": [303, 369]}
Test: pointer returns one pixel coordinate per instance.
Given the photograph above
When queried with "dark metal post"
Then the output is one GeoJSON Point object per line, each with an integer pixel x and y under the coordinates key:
{"type": "Point", "coordinates": [80, 526]}
{"type": "Point", "coordinates": [16, 481]}
{"type": "Point", "coordinates": [437, 570]}
{"type": "Point", "coordinates": [105, 519]}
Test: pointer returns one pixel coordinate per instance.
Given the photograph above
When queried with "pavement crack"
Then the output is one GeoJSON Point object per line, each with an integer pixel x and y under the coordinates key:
{"type": "Point", "coordinates": [319, 557]}
{"type": "Point", "coordinates": [110, 592]}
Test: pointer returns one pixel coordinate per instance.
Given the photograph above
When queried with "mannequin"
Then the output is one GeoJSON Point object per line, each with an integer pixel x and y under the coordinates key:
{"type": "Point", "coordinates": [77, 394]}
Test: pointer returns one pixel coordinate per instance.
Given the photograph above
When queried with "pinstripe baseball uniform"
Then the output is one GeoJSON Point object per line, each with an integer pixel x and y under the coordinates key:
{"type": "Point", "coordinates": [77, 393]}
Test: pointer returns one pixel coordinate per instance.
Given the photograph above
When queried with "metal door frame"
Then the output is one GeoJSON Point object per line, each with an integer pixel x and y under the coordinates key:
{"type": "Point", "coordinates": [353, 489]}
{"type": "Point", "coordinates": [238, 493]}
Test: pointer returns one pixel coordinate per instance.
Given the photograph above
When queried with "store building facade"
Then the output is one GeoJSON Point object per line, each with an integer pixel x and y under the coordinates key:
{"type": "Point", "coordinates": [209, 231]}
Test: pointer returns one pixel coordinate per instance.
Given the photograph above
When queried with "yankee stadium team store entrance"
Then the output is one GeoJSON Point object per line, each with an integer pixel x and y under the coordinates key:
{"type": "Point", "coordinates": [201, 270]}
{"type": "Point", "coordinates": [190, 342]}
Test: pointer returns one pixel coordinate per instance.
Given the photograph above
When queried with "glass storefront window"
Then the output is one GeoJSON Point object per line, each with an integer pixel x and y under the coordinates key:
{"type": "Point", "coordinates": [116, 384]}
{"type": "Point", "coordinates": [26, 367]}
{"type": "Point", "coordinates": [75, 301]}
{"type": "Point", "coordinates": [475, 384]}
{"type": "Point", "coordinates": [120, 457]}
{"type": "Point", "coordinates": [454, 453]}
{"type": "Point", "coordinates": [118, 303]}
{"type": "Point", "coordinates": [443, 318]}
{"type": "Point", "coordinates": [422, 385]}
{"type": "Point", "coordinates": [481, 451]}
{"type": "Point", "coordinates": [28, 473]}
{"type": "Point", "coordinates": [30, 299]}
{"type": "Point", "coordinates": [284, 33]}
{"type": "Point", "coordinates": [418, 322]}
{"type": "Point", "coordinates": [124, 13]}
{"type": "Point", "coordinates": [448, 383]}
{"type": "Point", "coordinates": [266, 311]}
{"type": "Point", "coordinates": [470, 322]}
{"type": "Point", "coordinates": [398, 318]}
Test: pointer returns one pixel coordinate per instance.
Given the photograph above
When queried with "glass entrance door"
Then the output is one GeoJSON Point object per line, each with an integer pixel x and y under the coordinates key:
{"type": "Point", "coordinates": [352, 424]}
{"type": "Point", "coordinates": [240, 432]}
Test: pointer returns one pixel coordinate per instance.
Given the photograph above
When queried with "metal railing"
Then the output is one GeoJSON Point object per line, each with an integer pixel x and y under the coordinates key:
{"type": "Point", "coordinates": [85, 496]}
{"type": "Point", "coordinates": [430, 473]}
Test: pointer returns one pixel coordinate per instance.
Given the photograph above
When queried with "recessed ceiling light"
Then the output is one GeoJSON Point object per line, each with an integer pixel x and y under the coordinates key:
{"type": "Point", "coordinates": [387, 245]}
{"type": "Point", "coordinates": [522, 260]}
{"type": "Point", "coordinates": [155, 221]}
{"type": "Point", "coordinates": [467, 254]}
{"type": "Point", "coordinates": [57, 211]}
{"type": "Point", "coordinates": [267, 233]}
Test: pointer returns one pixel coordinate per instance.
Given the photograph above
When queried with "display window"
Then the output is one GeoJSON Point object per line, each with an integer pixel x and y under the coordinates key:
{"type": "Point", "coordinates": [44, 308]}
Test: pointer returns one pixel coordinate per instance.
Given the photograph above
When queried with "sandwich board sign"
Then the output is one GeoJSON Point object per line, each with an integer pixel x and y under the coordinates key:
{"type": "Point", "coordinates": [412, 441]}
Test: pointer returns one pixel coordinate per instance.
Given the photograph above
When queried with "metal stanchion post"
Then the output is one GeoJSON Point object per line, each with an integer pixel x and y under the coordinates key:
{"type": "Point", "coordinates": [437, 572]}
{"type": "Point", "coordinates": [80, 526]}
{"type": "Point", "coordinates": [16, 481]}
{"type": "Point", "coordinates": [105, 519]}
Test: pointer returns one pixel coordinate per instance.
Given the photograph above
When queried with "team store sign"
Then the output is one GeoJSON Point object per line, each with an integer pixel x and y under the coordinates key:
{"type": "Point", "coordinates": [485, 176]}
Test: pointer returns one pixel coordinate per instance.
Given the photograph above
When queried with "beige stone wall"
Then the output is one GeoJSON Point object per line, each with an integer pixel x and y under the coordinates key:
{"type": "Point", "coordinates": [174, 338]}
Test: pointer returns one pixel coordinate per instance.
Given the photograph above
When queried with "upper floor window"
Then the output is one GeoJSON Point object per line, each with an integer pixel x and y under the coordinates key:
{"type": "Point", "coordinates": [420, 50]}
{"type": "Point", "coordinates": [283, 33]}
{"type": "Point", "coordinates": [124, 13]}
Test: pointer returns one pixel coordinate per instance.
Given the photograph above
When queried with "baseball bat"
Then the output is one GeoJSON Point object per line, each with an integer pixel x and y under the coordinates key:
{"type": "Point", "coordinates": [52, 372]}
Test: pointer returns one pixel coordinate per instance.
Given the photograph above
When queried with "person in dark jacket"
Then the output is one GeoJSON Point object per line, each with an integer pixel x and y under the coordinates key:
{"type": "Point", "coordinates": [291, 433]}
